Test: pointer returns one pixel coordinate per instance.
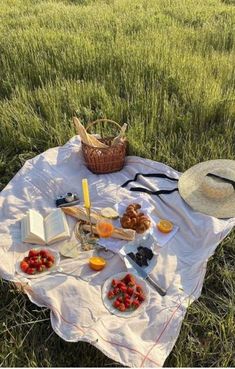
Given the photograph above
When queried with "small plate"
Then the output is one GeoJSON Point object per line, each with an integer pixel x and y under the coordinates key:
{"type": "Point", "coordinates": [48, 271]}
{"type": "Point", "coordinates": [146, 241]}
{"type": "Point", "coordinates": [109, 303]}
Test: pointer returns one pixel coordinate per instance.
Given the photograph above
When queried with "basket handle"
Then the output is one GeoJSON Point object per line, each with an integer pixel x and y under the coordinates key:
{"type": "Point", "coordinates": [103, 120]}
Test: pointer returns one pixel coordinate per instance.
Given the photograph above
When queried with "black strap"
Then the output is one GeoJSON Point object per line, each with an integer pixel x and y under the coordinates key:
{"type": "Point", "coordinates": [146, 190]}
{"type": "Point", "coordinates": [224, 179]}
{"type": "Point", "coordinates": [156, 175]}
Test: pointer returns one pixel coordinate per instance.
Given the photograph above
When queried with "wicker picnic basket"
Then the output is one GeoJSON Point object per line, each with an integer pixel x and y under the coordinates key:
{"type": "Point", "coordinates": [105, 160]}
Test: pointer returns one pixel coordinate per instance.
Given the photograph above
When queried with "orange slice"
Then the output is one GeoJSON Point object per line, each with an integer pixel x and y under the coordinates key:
{"type": "Point", "coordinates": [97, 263]}
{"type": "Point", "coordinates": [164, 226]}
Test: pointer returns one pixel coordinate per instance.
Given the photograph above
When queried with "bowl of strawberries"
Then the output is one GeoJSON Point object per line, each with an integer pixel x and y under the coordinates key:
{"type": "Point", "coordinates": [125, 294]}
{"type": "Point", "coordinates": [37, 262]}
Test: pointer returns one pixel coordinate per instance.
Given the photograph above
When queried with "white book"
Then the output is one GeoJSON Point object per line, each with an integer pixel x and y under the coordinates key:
{"type": "Point", "coordinates": [44, 231]}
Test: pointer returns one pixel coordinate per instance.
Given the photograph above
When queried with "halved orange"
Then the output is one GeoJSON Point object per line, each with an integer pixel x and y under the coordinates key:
{"type": "Point", "coordinates": [164, 226]}
{"type": "Point", "coordinates": [97, 263]}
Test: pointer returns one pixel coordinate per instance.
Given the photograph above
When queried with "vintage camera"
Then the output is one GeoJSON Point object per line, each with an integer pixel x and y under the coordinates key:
{"type": "Point", "coordinates": [69, 199]}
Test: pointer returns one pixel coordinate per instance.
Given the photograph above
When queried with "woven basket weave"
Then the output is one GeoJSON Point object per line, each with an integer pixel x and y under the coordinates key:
{"type": "Point", "coordinates": [104, 160]}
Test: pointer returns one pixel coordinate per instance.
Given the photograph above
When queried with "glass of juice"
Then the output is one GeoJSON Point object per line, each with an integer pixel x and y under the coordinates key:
{"type": "Point", "coordinates": [104, 228]}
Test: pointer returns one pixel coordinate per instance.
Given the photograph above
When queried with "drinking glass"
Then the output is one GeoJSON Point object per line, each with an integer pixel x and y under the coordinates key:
{"type": "Point", "coordinates": [104, 228]}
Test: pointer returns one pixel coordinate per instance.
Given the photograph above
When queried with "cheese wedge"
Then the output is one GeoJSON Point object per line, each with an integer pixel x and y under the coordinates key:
{"type": "Point", "coordinates": [109, 213]}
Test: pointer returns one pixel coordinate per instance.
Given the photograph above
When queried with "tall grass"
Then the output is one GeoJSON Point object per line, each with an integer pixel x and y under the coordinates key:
{"type": "Point", "coordinates": [167, 69]}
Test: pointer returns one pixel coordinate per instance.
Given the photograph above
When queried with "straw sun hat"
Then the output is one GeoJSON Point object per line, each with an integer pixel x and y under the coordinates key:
{"type": "Point", "coordinates": [209, 194]}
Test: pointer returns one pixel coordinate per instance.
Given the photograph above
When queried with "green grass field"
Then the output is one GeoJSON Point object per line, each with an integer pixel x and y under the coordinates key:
{"type": "Point", "coordinates": [167, 68]}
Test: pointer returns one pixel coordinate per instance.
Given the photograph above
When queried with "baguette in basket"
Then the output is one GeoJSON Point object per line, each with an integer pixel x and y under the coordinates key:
{"type": "Point", "coordinates": [86, 137]}
{"type": "Point", "coordinates": [80, 213]}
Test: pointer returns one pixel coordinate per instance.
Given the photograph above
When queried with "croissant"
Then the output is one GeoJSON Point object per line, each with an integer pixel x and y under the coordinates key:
{"type": "Point", "coordinates": [143, 224]}
{"type": "Point", "coordinates": [143, 218]}
{"type": "Point", "coordinates": [136, 206]}
{"type": "Point", "coordinates": [134, 220]}
{"type": "Point", "coordinates": [133, 206]}
{"type": "Point", "coordinates": [133, 223]}
{"type": "Point", "coordinates": [128, 222]}
{"type": "Point", "coordinates": [125, 221]}
{"type": "Point", "coordinates": [131, 213]}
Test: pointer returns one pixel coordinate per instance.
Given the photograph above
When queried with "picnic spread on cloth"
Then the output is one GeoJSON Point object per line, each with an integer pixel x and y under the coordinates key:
{"type": "Point", "coordinates": [128, 292]}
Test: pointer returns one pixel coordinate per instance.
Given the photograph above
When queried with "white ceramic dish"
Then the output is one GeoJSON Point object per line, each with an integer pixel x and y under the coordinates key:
{"type": "Point", "coordinates": [146, 241]}
{"type": "Point", "coordinates": [109, 303]}
{"type": "Point", "coordinates": [38, 275]}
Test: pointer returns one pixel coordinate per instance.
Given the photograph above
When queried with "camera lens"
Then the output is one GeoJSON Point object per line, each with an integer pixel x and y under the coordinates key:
{"type": "Point", "coordinates": [69, 197]}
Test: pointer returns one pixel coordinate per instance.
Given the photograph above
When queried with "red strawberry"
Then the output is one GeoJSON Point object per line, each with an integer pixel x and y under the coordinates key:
{"type": "Point", "coordinates": [121, 284]}
{"type": "Point", "coordinates": [32, 262]}
{"type": "Point", "coordinates": [120, 299]}
{"type": "Point", "coordinates": [123, 288]}
{"type": "Point", "coordinates": [35, 261]}
{"type": "Point", "coordinates": [44, 253]}
{"type": "Point", "coordinates": [131, 284]}
{"type": "Point", "coordinates": [26, 258]}
{"type": "Point", "coordinates": [130, 291]}
{"type": "Point", "coordinates": [127, 301]}
{"type": "Point", "coordinates": [24, 266]}
{"type": "Point", "coordinates": [110, 295]}
{"type": "Point", "coordinates": [127, 304]}
{"type": "Point", "coordinates": [31, 271]}
{"type": "Point", "coordinates": [135, 304]}
{"type": "Point", "coordinates": [139, 288]}
{"type": "Point", "coordinates": [44, 260]}
{"type": "Point", "coordinates": [141, 297]}
{"type": "Point", "coordinates": [122, 307]}
{"type": "Point", "coordinates": [51, 258]}
{"type": "Point", "coordinates": [116, 304]}
{"type": "Point", "coordinates": [49, 264]}
{"type": "Point", "coordinates": [114, 282]}
{"type": "Point", "coordinates": [33, 252]}
{"type": "Point", "coordinates": [129, 280]}
{"type": "Point", "coordinates": [127, 297]}
{"type": "Point", "coordinates": [136, 294]}
{"type": "Point", "coordinates": [116, 291]}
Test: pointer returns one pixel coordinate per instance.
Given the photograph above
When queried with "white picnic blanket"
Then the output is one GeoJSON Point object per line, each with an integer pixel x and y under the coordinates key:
{"type": "Point", "coordinates": [77, 311]}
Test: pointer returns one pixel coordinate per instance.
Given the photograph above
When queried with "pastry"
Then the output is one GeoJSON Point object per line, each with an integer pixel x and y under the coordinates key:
{"type": "Point", "coordinates": [134, 219]}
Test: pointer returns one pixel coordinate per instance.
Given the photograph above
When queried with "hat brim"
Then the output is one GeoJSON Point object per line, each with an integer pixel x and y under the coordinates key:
{"type": "Point", "coordinates": [191, 191]}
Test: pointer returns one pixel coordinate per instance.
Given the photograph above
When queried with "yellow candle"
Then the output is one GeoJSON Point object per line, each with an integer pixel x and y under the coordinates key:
{"type": "Point", "coordinates": [86, 196]}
